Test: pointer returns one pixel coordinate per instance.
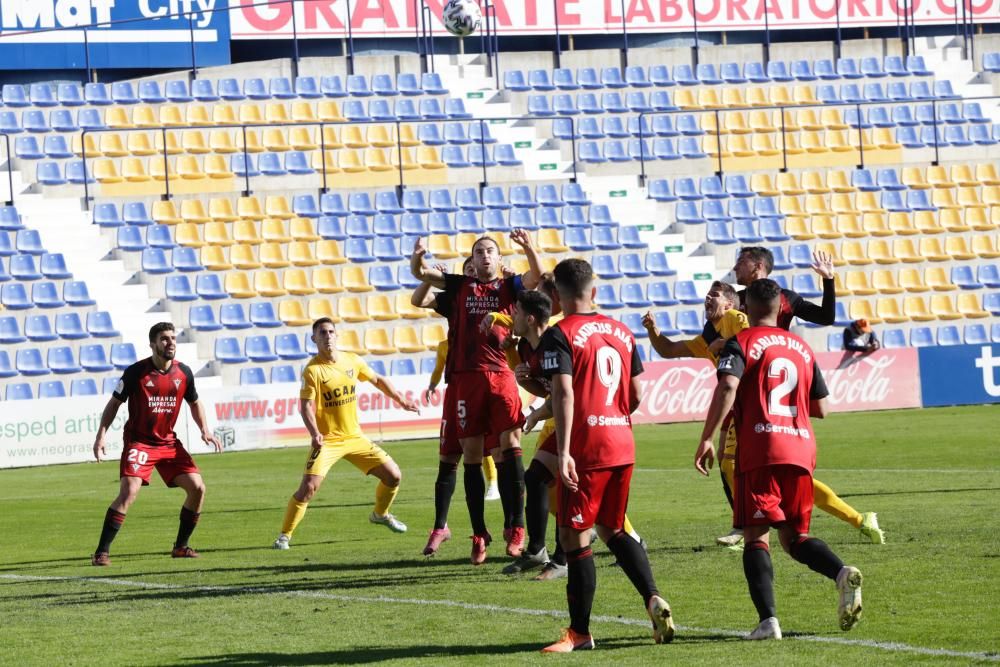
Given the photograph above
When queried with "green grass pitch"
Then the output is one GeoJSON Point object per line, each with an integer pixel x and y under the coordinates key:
{"type": "Point", "coordinates": [349, 592]}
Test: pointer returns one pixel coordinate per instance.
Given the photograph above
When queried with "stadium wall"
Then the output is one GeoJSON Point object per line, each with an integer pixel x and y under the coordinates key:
{"type": "Point", "coordinates": [46, 432]}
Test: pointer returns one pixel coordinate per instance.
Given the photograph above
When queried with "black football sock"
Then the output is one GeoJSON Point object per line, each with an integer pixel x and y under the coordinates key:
{"type": "Point", "coordinates": [505, 498]}
{"type": "Point", "coordinates": [515, 481]}
{"type": "Point", "coordinates": [189, 519]}
{"type": "Point", "coordinates": [558, 556]}
{"type": "Point", "coordinates": [536, 485]}
{"type": "Point", "coordinates": [444, 488]}
{"type": "Point", "coordinates": [634, 562]}
{"type": "Point", "coordinates": [580, 588]}
{"type": "Point", "coordinates": [112, 524]}
{"type": "Point", "coordinates": [760, 578]}
{"type": "Point", "coordinates": [475, 489]}
{"type": "Point", "coordinates": [815, 553]}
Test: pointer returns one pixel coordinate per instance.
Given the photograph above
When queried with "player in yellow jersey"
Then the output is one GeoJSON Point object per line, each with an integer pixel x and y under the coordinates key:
{"type": "Point", "coordinates": [723, 321]}
{"type": "Point", "coordinates": [328, 404]}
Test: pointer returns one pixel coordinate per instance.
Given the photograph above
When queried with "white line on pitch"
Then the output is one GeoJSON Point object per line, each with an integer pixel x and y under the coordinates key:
{"type": "Point", "coordinates": [895, 647]}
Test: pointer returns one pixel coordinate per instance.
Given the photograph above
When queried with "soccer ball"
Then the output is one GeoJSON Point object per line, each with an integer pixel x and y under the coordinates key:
{"type": "Point", "coordinates": [461, 17]}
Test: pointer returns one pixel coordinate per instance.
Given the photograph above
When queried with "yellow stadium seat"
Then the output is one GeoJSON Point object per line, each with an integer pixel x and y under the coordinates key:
{"type": "Point", "coordinates": [861, 309]}
{"type": "Point", "coordinates": [247, 140]}
{"type": "Point", "coordinates": [192, 210]}
{"type": "Point", "coordinates": [684, 99]}
{"type": "Point", "coordinates": [930, 249]}
{"type": "Point", "coordinates": [274, 140]}
{"type": "Point", "coordinates": [986, 173]}
{"type": "Point", "coordinates": [188, 168]}
{"type": "Point", "coordinates": [349, 309]}
{"type": "Point", "coordinates": [799, 229]}
{"type": "Point", "coordinates": [377, 342]}
{"type": "Point", "coordinates": [197, 114]}
{"type": "Point", "coordinates": [943, 307]}
{"type": "Point", "coordinates": [297, 282]}
{"type": "Point", "coordinates": [905, 251]}
{"type": "Point", "coordinates": [134, 171]}
{"type": "Point", "coordinates": [111, 144]}
{"type": "Point", "coordinates": [463, 244]}
{"type": "Point", "coordinates": [251, 114]}
{"type": "Point", "coordinates": [325, 281]}
{"type": "Point", "coordinates": [221, 141]}
{"type": "Point", "coordinates": [735, 122]}
{"type": "Point", "coordinates": [969, 306]}
{"type": "Point", "coordinates": [405, 135]}
{"type": "Point", "coordinates": [440, 245]}
{"type": "Point", "coordinates": [867, 202]}
{"type": "Point", "coordinates": [321, 307]}
{"type": "Point", "coordinates": [816, 205]}
{"type": "Point", "coordinates": [788, 183]}
{"type": "Point", "coordinates": [807, 119]}
{"type": "Point", "coordinates": [353, 136]}
{"type": "Point", "coordinates": [237, 284]}
{"type": "Point", "coordinates": [915, 307]}
{"type": "Point", "coordinates": [823, 227]}
{"type": "Point", "coordinates": [550, 240]}
{"type": "Point", "coordinates": [329, 252]}
{"type": "Point", "coordinates": [349, 160]}
{"type": "Point", "coordinates": [885, 139]}
{"type": "Point", "coordinates": [888, 310]}
{"type": "Point", "coordinates": [276, 206]}
{"type": "Point", "coordinates": [380, 308]}
{"type": "Point", "coordinates": [431, 335]}
{"type": "Point", "coordinates": [958, 248]}
{"type": "Point", "coordinates": [214, 258]}
{"type": "Point", "coordinates": [376, 160]}
{"type": "Point", "coordinates": [166, 140]}
{"type": "Point", "coordinates": [912, 280]}
{"type": "Point", "coordinates": [969, 197]}
{"type": "Point", "coordinates": [355, 279]}
{"type": "Point", "coordinates": [406, 340]}
{"type": "Point", "coordinates": [156, 168]}
{"type": "Point", "coordinates": [733, 97]}
{"type": "Point", "coordinates": [853, 253]}
{"type": "Point", "coordinates": [985, 246]}
{"type": "Point", "coordinates": [88, 141]}
{"type": "Point", "coordinates": [291, 313]}
{"type": "Point", "coordinates": [329, 112]}
{"type": "Point", "coordinates": [937, 177]}
{"type": "Point", "coordinates": [991, 195]}
{"type": "Point", "coordinates": [708, 98]}
{"type": "Point", "coordinates": [407, 310]}
{"type": "Point", "coordinates": [952, 220]}
{"type": "Point", "coordinates": [273, 231]}
{"type": "Point", "coordinates": [170, 116]}
{"type": "Point", "coordinates": [836, 140]}
{"type": "Point", "coordinates": [884, 281]}
{"type": "Point", "coordinates": [876, 224]}
{"type": "Point", "coordinates": [331, 137]}
{"type": "Point", "coordinates": [963, 175]}
{"type": "Point", "coordinates": [302, 139]}
{"type": "Point", "coordinates": [429, 158]}
{"type": "Point", "coordinates": [926, 222]}
{"type": "Point", "coordinates": [901, 224]}
{"type": "Point", "coordinates": [838, 181]}
{"type": "Point", "coordinates": [803, 95]}
{"type": "Point", "coordinates": [408, 161]}
{"type": "Point", "coordinates": [193, 142]}
{"type": "Point", "coordinates": [913, 178]}
{"type": "Point", "coordinates": [302, 229]}
{"type": "Point", "coordinates": [503, 243]}
{"type": "Point", "coordinates": [813, 183]}
{"type": "Point", "coordinates": [249, 208]}
{"type": "Point", "coordinates": [832, 119]}
{"type": "Point", "coordinates": [709, 124]}
{"type": "Point", "coordinates": [216, 167]}
{"type": "Point", "coordinates": [710, 144]}
{"type": "Point", "coordinates": [836, 254]}
{"type": "Point", "coordinates": [223, 114]}
{"type": "Point", "coordinates": [778, 95]}
{"type": "Point", "coordinates": [814, 142]}
{"type": "Point", "coordinates": [763, 185]}
{"type": "Point", "coordinates": [937, 279]}
{"type": "Point", "coordinates": [760, 122]}
{"type": "Point", "coordinates": [244, 257]}
{"type": "Point", "coordinates": [164, 213]}
{"type": "Point", "coordinates": [117, 118]}
{"type": "Point", "coordinates": [349, 340]}
{"type": "Point", "coordinates": [272, 255]}
{"type": "Point", "coordinates": [838, 286]}
{"type": "Point", "coordinates": [737, 145]}
{"type": "Point", "coordinates": [325, 162]}
{"type": "Point", "coordinates": [857, 283]}
{"type": "Point", "coordinates": [378, 135]}
{"type": "Point", "coordinates": [757, 97]}
{"type": "Point", "coordinates": [267, 284]}
{"type": "Point", "coordinates": [303, 112]}
{"type": "Point", "coordinates": [518, 265]}
{"type": "Point", "coordinates": [105, 171]}
{"type": "Point", "coordinates": [880, 252]}
{"type": "Point", "coordinates": [789, 143]}
{"type": "Point", "coordinates": [791, 207]}
{"type": "Point", "coordinates": [300, 253]}
{"type": "Point", "coordinates": [977, 219]}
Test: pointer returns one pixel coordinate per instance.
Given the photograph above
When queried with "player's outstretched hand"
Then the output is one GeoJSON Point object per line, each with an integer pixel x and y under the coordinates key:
{"type": "Point", "coordinates": [521, 237]}
{"type": "Point", "coordinates": [507, 272]}
{"type": "Point", "coordinates": [487, 323]}
{"type": "Point", "coordinates": [209, 439]}
{"type": "Point", "coordinates": [716, 346]}
{"type": "Point", "coordinates": [99, 449]}
{"type": "Point", "coordinates": [530, 421]}
{"type": "Point", "coordinates": [567, 472]}
{"type": "Point", "coordinates": [823, 264]}
{"type": "Point", "coordinates": [704, 457]}
{"type": "Point", "coordinates": [419, 248]}
{"type": "Point", "coordinates": [429, 392]}
{"type": "Point", "coordinates": [441, 267]}
{"type": "Point", "coordinates": [410, 406]}
{"type": "Point", "coordinates": [317, 441]}
{"type": "Point", "coordinates": [649, 322]}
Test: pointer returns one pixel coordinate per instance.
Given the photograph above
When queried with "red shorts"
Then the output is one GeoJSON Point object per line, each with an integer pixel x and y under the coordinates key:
{"type": "Point", "coordinates": [138, 460]}
{"type": "Point", "coordinates": [773, 495]}
{"type": "Point", "coordinates": [601, 498]}
{"type": "Point", "coordinates": [449, 444]}
{"type": "Point", "coordinates": [485, 402]}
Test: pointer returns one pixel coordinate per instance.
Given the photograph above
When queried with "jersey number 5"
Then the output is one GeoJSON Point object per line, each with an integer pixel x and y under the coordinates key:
{"type": "Point", "coordinates": [781, 367]}
{"type": "Point", "coordinates": [609, 371]}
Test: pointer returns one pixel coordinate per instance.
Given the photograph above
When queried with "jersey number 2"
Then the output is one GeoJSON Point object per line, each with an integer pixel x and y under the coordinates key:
{"type": "Point", "coordinates": [778, 368]}
{"type": "Point", "coordinates": [609, 370]}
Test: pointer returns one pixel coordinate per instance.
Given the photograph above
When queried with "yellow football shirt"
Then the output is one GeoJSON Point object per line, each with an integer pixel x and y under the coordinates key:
{"type": "Point", "coordinates": [439, 362]}
{"type": "Point", "coordinates": [333, 387]}
{"type": "Point", "coordinates": [733, 322]}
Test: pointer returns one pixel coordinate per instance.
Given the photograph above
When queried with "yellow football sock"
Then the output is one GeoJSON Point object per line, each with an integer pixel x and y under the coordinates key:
{"type": "Point", "coordinates": [489, 470]}
{"type": "Point", "coordinates": [552, 499]}
{"type": "Point", "coordinates": [384, 495]}
{"type": "Point", "coordinates": [828, 501]}
{"type": "Point", "coordinates": [293, 515]}
{"type": "Point", "coordinates": [627, 527]}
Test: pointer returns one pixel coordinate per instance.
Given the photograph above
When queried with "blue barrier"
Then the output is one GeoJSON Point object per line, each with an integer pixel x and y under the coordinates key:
{"type": "Point", "coordinates": [960, 375]}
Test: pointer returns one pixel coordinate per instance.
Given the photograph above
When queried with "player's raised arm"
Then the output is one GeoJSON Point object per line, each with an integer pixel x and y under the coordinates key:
{"type": "Point", "coordinates": [421, 271]}
{"type": "Point", "coordinates": [107, 418]}
{"type": "Point", "coordinates": [825, 313]}
{"type": "Point", "coordinates": [383, 385]}
{"type": "Point", "coordinates": [666, 348]}
{"type": "Point", "coordinates": [530, 279]}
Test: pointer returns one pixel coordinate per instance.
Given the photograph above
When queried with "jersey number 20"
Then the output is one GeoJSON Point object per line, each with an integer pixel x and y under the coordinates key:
{"type": "Point", "coordinates": [782, 367]}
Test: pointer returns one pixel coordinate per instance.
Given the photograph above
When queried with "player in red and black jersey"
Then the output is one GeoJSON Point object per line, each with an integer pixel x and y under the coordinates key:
{"type": "Point", "coordinates": [154, 388]}
{"type": "Point", "coordinates": [593, 366]}
{"type": "Point", "coordinates": [770, 379]}
{"type": "Point", "coordinates": [482, 394]}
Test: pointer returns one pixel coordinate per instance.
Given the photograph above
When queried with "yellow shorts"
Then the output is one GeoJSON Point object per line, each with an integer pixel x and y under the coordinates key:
{"type": "Point", "coordinates": [361, 452]}
{"type": "Point", "coordinates": [547, 438]}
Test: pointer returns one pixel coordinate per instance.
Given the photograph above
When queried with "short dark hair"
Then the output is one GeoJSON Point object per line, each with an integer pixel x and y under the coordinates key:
{"type": "Point", "coordinates": [727, 290]}
{"type": "Point", "coordinates": [759, 254]}
{"type": "Point", "coordinates": [535, 303]}
{"type": "Point", "coordinates": [158, 328]}
{"type": "Point", "coordinates": [485, 237]}
{"type": "Point", "coordinates": [465, 264]}
{"type": "Point", "coordinates": [547, 285]}
{"type": "Point", "coordinates": [573, 277]}
{"type": "Point", "coordinates": [321, 321]}
{"type": "Point", "coordinates": [762, 295]}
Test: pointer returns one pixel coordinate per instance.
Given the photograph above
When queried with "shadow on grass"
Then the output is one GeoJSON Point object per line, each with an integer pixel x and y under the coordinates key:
{"type": "Point", "coordinates": [919, 492]}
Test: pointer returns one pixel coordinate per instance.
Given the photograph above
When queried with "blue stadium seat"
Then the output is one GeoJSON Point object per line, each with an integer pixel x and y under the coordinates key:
{"type": "Point", "coordinates": [607, 299]}
{"type": "Point", "coordinates": [357, 250]}
{"type": "Point", "coordinates": [61, 360]}
{"type": "Point", "coordinates": [707, 75]}
{"type": "Point", "coordinates": [989, 275]}
{"type": "Point", "coordinates": [402, 367]}
{"type": "Point", "coordinates": [70, 327]}
{"type": "Point", "coordinates": [991, 62]}
{"type": "Point", "coordinates": [18, 391]}
{"type": "Point", "coordinates": [307, 87]}
{"type": "Point", "coordinates": [631, 264]}
{"type": "Point", "coordinates": [690, 322]}
{"type": "Point", "coordinates": [834, 341]}
{"type": "Point", "coordinates": [262, 314]}
{"type": "Point", "coordinates": [413, 224]}
{"type": "Point", "coordinates": [283, 373]}
{"type": "Point", "coordinates": [83, 387]}
{"type": "Point", "coordinates": [288, 347]}
{"type": "Point", "coordinates": [258, 349]}
{"type": "Point", "coordinates": [802, 70]}
{"type": "Point", "coordinates": [150, 93]}
{"type": "Point", "coordinates": [731, 73]}
{"type": "Point", "coordinates": [99, 325]}
{"type": "Point", "coordinates": [22, 267]}
{"type": "Point", "coordinates": [754, 73]}
{"type": "Point", "coordinates": [14, 296]}
{"type": "Point", "coordinates": [38, 329]}
{"type": "Point", "coordinates": [48, 173]}
{"type": "Point", "coordinates": [202, 318]}
{"type": "Point", "coordinates": [269, 165]}
{"type": "Point", "coordinates": [578, 239]}
{"type": "Point", "coordinates": [975, 334]}
{"type": "Point", "coordinates": [687, 293]}
{"type": "Point", "coordinates": [27, 148]}
{"type": "Point", "coordinates": [948, 335]}
{"type": "Point", "coordinates": [587, 78]}
{"type": "Point", "coordinates": [386, 224]}
{"type": "Point", "coordinates": [634, 322]}
{"type": "Point", "coordinates": [29, 242]}
{"type": "Point", "coordinates": [944, 91]}
{"type": "Point", "coordinates": [658, 264]}
{"type": "Point", "coordinates": [97, 94]}
{"type": "Point", "coordinates": [683, 74]}
{"type": "Point", "coordinates": [612, 103]}
{"type": "Point", "coordinates": [387, 250]}
{"type": "Point", "coordinates": [745, 231]}
{"type": "Point", "coordinates": [687, 213]}
{"type": "Point", "coordinates": [921, 337]}
{"type": "Point", "coordinates": [185, 259]}
{"type": "Point", "coordinates": [381, 278]}
{"type": "Point", "coordinates": [203, 90]}
{"type": "Point", "coordinates": [122, 92]}
{"type": "Point", "coordinates": [252, 376]}
{"type": "Point", "coordinates": [14, 95]}
{"type": "Point", "coordinates": [75, 293]}
{"type": "Point", "coordinates": [891, 338]}
{"type": "Point", "coordinates": [45, 294]}
{"type": "Point", "coordinates": [233, 316]}
{"type": "Point", "coordinates": [10, 331]}
{"type": "Point", "coordinates": [777, 70]}
{"type": "Point", "coordinates": [408, 84]}
{"type": "Point", "coordinates": [665, 324]}
{"type": "Point", "coordinates": [228, 351]}
{"type": "Point", "coordinates": [296, 163]}
{"type": "Point", "coordinates": [382, 85]}
{"type": "Point", "coordinates": [660, 294]}
{"type": "Point", "coordinates": [605, 238]}
{"type": "Point", "coordinates": [53, 265]}
{"type": "Point", "coordinates": [659, 189]}
{"type": "Point", "coordinates": [177, 91]}
{"type": "Point", "coordinates": [129, 239]}
{"type": "Point", "coordinates": [178, 288]}
{"type": "Point", "coordinates": [634, 297]}
{"type": "Point", "coordinates": [719, 232]}
{"type": "Point", "coordinates": [207, 286]}
{"type": "Point", "coordinates": [805, 285]}
{"type": "Point", "coordinates": [513, 79]}
{"type": "Point", "coordinates": [332, 86]}
{"type": "Point", "coordinates": [454, 107]}
{"type": "Point", "coordinates": [70, 95]}
{"type": "Point", "coordinates": [991, 302]}
{"type": "Point", "coordinates": [604, 267]}
{"type": "Point", "coordinates": [93, 359]}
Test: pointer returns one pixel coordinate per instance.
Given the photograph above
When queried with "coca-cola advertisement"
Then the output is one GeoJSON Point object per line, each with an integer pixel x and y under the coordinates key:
{"type": "Point", "coordinates": [680, 391]}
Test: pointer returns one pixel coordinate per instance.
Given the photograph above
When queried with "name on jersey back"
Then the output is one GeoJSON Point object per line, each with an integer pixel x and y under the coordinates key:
{"type": "Point", "coordinates": [761, 344]}
{"type": "Point", "coordinates": [590, 328]}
